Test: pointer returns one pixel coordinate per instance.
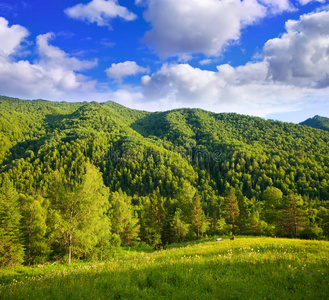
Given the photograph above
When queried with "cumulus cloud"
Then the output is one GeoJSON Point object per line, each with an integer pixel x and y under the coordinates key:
{"type": "Point", "coordinates": [301, 56]}
{"type": "Point", "coordinates": [100, 12]}
{"type": "Point", "coordinates": [209, 26]}
{"type": "Point", "coordinates": [295, 68]}
{"type": "Point", "coordinates": [124, 69]}
{"type": "Point", "coordinates": [277, 6]}
{"type": "Point", "coordinates": [11, 37]}
{"type": "Point", "coordinates": [193, 26]}
{"type": "Point", "coordinates": [244, 90]}
{"type": "Point", "coordinates": [304, 2]}
{"type": "Point", "coordinates": [52, 74]}
{"type": "Point", "coordinates": [54, 56]}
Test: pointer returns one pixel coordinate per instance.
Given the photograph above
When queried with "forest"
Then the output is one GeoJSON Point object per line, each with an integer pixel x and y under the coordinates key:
{"type": "Point", "coordinates": [79, 180]}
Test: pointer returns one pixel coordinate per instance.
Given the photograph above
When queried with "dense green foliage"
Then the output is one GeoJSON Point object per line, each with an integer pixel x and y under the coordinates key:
{"type": "Point", "coordinates": [317, 122]}
{"type": "Point", "coordinates": [246, 268]}
{"type": "Point", "coordinates": [91, 176]}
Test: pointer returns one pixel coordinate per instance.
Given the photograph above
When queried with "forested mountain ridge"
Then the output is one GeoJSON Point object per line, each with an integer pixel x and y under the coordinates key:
{"type": "Point", "coordinates": [157, 177]}
{"type": "Point", "coordinates": [317, 122]}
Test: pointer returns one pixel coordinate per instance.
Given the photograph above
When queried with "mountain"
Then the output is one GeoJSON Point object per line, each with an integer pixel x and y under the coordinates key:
{"type": "Point", "coordinates": [317, 122]}
{"type": "Point", "coordinates": [170, 173]}
{"type": "Point", "coordinates": [211, 150]}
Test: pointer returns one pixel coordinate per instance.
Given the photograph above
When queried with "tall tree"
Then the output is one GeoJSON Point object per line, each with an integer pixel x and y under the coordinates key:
{"type": "Point", "coordinates": [167, 236]}
{"type": "Point", "coordinates": [34, 228]}
{"type": "Point", "coordinates": [124, 222]}
{"type": "Point", "coordinates": [272, 198]}
{"type": "Point", "coordinates": [180, 227]}
{"type": "Point", "coordinates": [214, 216]}
{"type": "Point", "coordinates": [293, 216]}
{"type": "Point", "coordinates": [231, 208]}
{"type": "Point", "coordinates": [245, 212]}
{"type": "Point", "coordinates": [11, 248]}
{"type": "Point", "coordinates": [198, 219]}
{"type": "Point", "coordinates": [150, 224]}
{"type": "Point", "coordinates": [79, 212]}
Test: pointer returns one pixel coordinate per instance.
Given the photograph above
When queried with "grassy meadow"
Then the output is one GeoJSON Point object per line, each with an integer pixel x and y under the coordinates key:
{"type": "Point", "coordinates": [246, 268]}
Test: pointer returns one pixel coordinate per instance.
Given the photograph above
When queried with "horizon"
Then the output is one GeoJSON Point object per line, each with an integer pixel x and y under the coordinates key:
{"type": "Point", "coordinates": [261, 58]}
{"type": "Point", "coordinates": [159, 111]}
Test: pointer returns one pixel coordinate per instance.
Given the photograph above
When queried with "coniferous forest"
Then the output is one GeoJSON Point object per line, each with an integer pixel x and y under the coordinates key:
{"type": "Point", "coordinates": [80, 179]}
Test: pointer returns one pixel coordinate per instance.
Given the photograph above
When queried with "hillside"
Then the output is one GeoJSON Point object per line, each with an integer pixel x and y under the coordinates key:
{"type": "Point", "coordinates": [317, 122]}
{"type": "Point", "coordinates": [170, 176]}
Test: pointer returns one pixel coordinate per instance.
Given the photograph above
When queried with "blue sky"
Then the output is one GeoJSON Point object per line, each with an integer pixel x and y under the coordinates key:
{"type": "Point", "coordinates": [257, 57]}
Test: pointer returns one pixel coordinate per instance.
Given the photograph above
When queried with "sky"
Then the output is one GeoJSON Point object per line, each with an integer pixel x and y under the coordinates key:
{"type": "Point", "coordinates": [267, 58]}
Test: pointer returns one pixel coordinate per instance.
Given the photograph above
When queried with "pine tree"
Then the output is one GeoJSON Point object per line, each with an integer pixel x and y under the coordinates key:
{"type": "Point", "coordinates": [167, 236]}
{"type": "Point", "coordinates": [180, 227]}
{"type": "Point", "coordinates": [124, 222]}
{"type": "Point", "coordinates": [11, 248]}
{"type": "Point", "coordinates": [214, 216]}
{"type": "Point", "coordinates": [244, 212]}
{"type": "Point", "coordinates": [231, 208]}
{"type": "Point", "coordinates": [34, 228]}
{"type": "Point", "coordinates": [293, 216]}
{"type": "Point", "coordinates": [150, 231]}
{"type": "Point", "coordinates": [198, 219]}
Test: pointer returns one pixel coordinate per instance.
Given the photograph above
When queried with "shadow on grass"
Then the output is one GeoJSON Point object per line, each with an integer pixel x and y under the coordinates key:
{"type": "Point", "coordinates": [165, 278]}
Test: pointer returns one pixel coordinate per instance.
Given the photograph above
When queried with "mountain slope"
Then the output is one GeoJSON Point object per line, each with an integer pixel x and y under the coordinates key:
{"type": "Point", "coordinates": [317, 122]}
{"type": "Point", "coordinates": [249, 153]}
{"type": "Point", "coordinates": [175, 167]}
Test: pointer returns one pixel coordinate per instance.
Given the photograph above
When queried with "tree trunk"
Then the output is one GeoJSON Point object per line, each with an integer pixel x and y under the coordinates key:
{"type": "Point", "coordinates": [70, 250]}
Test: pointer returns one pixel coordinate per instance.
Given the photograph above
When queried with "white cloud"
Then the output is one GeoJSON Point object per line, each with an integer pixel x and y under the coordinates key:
{"type": "Point", "coordinates": [206, 61]}
{"type": "Point", "coordinates": [209, 26]}
{"type": "Point", "coordinates": [294, 71]}
{"type": "Point", "coordinates": [54, 56]}
{"type": "Point", "coordinates": [51, 75]}
{"type": "Point", "coordinates": [304, 2]}
{"type": "Point", "coordinates": [243, 90]}
{"type": "Point", "coordinates": [124, 69]}
{"type": "Point", "coordinates": [301, 56]}
{"type": "Point", "coordinates": [193, 26]}
{"type": "Point", "coordinates": [10, 37]}
{"type": "Point", "coordinates": [182, 83]}
{"type": "Point", "coordinates": [100, 12]}
{"type": "Point", "coordinates": [277, 6]}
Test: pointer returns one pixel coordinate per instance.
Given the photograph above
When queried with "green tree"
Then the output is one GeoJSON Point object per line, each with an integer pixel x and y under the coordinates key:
{"type": "Point", "coordinates": [324, 220]}
{"type": "Point", "coordinates": [214, 215]}
{"type": "Point", "coordinates": [180, 227]}
{"type": "Point", "coordinates": [185, 198]}
{"type": "Point", "coordinates": [272, 198]}
{"type": "Point", "coordinates": [79, 213]}
{"type": "Point", "coordinates": [34, 228]}
{"type": "Point", "coordinates": [11, 248]}
{"type": "Point", "coordinates": [167, 236]}
{"type": "Point", "coordinates": [198, 219]}
{"type": "Point", "coordinates": [150, 220]}
{"type": "Point", "coordinates": [124, 222]}
{"type": "Point", "coordinates": [230, 208]}
{"type": "Point", "coordinates": [293, 216]}
{"type": "Point", "coordinates": [244, 219]}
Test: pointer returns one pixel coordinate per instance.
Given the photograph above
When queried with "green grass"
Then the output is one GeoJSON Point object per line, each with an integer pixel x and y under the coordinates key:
{"type": "Point", "coordinates": [247, 268]}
